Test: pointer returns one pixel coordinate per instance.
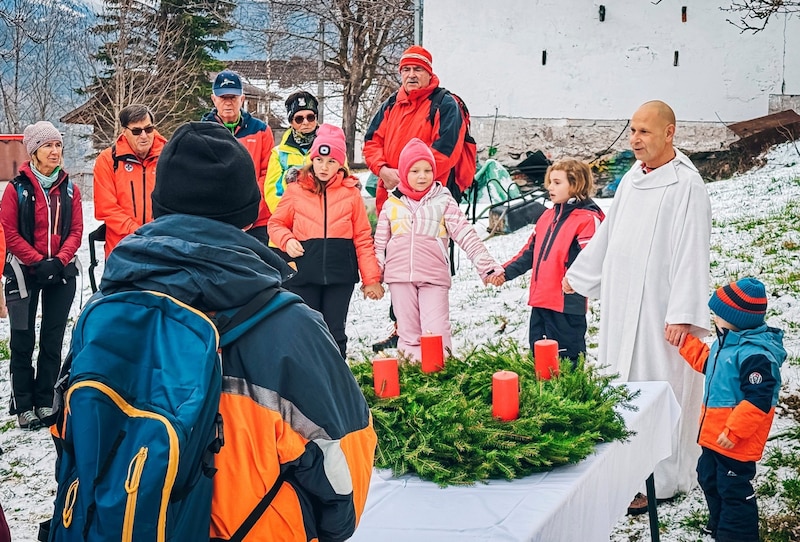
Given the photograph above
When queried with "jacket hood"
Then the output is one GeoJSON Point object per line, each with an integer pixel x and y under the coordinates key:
{"type": "Point", "coordinates": [205, 263]}
{"type": "Point", "coordinates": [307, 182]}
{"type": "Point", "coordinates": [767, 337]}
{"type": "Point", "coordinates": [585, 204]}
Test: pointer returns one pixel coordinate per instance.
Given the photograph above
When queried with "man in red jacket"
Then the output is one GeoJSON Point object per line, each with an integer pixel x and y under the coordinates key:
{"type": "Point", "coordinates": [125, 174]}
{"type": "Point", "coordinates": [403, 117]}
{"type": "Point", "coordinates": [228, 97]}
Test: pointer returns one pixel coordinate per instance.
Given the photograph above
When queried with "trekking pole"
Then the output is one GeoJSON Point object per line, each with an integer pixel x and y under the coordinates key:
{"type": "Point", "coordinates": [492, 148]}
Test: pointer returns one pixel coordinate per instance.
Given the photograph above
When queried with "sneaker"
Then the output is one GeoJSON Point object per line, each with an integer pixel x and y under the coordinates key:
{"type": "Point", "coordinates": [28, 420]}
{"type": "Point", "coordinates": [44, 413]}
{"type": "Point", "coordinates": [388, 342]}
{"type": "Point", "coordinates": [638, 505]}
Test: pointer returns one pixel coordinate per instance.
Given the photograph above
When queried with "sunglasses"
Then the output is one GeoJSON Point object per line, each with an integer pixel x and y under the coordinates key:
{"type": "Point", "coordinates": [298, 119]}
{"type": "Point", "coordinates": [138, 131]}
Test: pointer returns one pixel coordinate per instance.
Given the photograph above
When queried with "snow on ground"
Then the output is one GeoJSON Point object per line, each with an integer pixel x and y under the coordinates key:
{"type": "Point", "coordinates": [478, 314]}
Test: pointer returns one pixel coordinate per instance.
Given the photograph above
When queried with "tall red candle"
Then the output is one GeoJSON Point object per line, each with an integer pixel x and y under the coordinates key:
{"type": "Point", "coordinates": [386, 377]}
{"type": "Point", "coordinates": [545, 356]}
{"type": "Point", "coordinates": [505, 395]}
{"type": "Point", "coordinates": [432, 353]}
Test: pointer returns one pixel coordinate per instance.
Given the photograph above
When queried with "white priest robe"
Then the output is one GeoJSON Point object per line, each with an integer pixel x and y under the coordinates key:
{"type": "Point", "coordinates": [648, 264]}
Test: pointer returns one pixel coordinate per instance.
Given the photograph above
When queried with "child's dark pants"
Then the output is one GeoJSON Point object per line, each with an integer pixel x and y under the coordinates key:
{"type": "Point", "coordinates": [730, 496]}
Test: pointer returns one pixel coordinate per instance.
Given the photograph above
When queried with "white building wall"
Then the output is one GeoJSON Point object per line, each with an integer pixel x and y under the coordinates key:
{"type": "Point", "coordinates": [490, 53]}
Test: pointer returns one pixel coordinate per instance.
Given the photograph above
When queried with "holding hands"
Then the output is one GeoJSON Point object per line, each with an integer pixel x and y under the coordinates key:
{"type": "Point", "coordinates": [373, 291]}
{"type": "Point", "coordinates": [495, 279]}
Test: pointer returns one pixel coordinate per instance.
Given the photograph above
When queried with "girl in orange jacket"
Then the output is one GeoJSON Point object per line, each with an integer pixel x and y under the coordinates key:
{"type": "Point", "coordinates": [321, 226]}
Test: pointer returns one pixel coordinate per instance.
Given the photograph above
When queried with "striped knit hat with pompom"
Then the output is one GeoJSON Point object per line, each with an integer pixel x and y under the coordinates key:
{"type": "Point", "coordinates": [742, 303]}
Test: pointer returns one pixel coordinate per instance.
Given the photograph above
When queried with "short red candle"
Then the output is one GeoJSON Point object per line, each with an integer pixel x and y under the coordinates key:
{"type": "Point", "coordinates": [432, 353]}
{"type": "Point", "coordinates": [545, 356]}
{"type": "Point", "coordinates": [505, 395]}
{"type": "Point", "coordinates": [386, 377]}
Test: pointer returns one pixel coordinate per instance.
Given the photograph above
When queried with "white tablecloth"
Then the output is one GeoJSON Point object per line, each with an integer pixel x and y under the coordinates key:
{"type": "Point", "coordinates": [579, 502]}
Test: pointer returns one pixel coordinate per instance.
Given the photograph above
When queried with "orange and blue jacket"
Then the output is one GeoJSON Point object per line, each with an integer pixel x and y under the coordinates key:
{"type": "Point", "coordinates": [742, 382]}
{"type": "Point", "coordinates": [395, 125]}
{"type": "Point", "coordinates": [123, 184]}
{"type": "Point", "coordinates": [332, 227]}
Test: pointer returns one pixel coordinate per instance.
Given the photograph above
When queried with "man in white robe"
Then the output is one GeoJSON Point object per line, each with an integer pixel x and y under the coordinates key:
{"type": "Point", "coordinates": [648, 264]}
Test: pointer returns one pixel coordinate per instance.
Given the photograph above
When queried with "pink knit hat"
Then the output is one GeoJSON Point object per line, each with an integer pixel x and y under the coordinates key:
{"type": "Point", "coordinates": [414, 151]}
{"type": "Point", "coordinates": [329, 142]}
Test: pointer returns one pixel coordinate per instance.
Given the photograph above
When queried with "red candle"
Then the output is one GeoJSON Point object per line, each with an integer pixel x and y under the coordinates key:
{"type": "Point", "coordinates": [505, 395]}
{"type": "Point", "coordinates": [386, 377]}
{"type": "Point", "coordinates": [432, 353]}
{"type": "Point", "coordinates": [545, 356]}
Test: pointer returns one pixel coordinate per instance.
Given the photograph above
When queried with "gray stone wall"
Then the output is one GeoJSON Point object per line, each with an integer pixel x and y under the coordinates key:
{"type": "Point", "coordinates": [582, 138]}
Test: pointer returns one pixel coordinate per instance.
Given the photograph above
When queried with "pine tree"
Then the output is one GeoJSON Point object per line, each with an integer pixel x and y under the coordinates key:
{"type": "Point", "coordinates": [158, 54]}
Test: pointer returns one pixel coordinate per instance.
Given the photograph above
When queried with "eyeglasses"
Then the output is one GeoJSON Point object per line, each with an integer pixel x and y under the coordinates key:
{"type": "Point", "coordinates": [299, 119]}
{"type": "Point", "coordinates": [138, 131]}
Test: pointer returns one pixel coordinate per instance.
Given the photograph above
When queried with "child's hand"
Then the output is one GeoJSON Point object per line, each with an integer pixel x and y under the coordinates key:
{"type": "Point", "coordinates": [724, 441]}
{"type": "Point", "coordinates": [294, 248]}
{"type": "Point", "coordinates": [496, 280]}
{"type": "Point", "coordinates": [565, 286]}
{"type": "Point", "coordinates": [373, 291]}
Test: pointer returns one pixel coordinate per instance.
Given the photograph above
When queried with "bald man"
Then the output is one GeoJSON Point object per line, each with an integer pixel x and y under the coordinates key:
{"type": "Point", "coordinates": [648, 264]}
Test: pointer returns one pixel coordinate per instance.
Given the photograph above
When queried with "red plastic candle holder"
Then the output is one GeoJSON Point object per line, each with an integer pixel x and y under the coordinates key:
{"type": "Point", "coordinates": [545, 357]}
{"type": "Point", "coordinates": [386, 377]}
{"type": "Point", "coordinates": [432, 353]}
{"type": "Point", "coordinates": [505, 395]}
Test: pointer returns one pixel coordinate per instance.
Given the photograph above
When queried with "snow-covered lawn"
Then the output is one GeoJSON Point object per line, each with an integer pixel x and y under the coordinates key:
{"type": "Point", "coordinates": [743, 243]}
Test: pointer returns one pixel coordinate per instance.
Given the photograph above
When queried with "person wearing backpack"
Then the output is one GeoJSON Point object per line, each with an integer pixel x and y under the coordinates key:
{"type": "Point", "coordinates": [409, 113]}
{"type": "Point", "coordinates": [125, 174]}
{"type": "Point", "coordinates": [42, 218]}
{"type": "Point", "coordinates": [298, 437]}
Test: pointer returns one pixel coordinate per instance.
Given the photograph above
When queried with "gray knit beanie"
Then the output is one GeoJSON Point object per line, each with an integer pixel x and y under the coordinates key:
{"type": "Point", "coordinates": [36, 135]}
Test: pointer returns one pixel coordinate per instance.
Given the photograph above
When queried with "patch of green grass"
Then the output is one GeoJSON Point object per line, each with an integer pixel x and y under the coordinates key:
{"type": "Point", "coordinates": [7, 426]}
{"type": "Point", "coordinates": [5, 349]}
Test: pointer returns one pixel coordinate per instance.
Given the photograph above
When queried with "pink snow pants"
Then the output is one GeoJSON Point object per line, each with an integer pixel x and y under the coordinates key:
{"type": "Point", "coordinates": [420, 308]}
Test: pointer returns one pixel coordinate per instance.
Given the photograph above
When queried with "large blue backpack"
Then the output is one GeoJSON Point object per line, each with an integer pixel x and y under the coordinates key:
{"type": "Point", "coordinates": [140, 422]}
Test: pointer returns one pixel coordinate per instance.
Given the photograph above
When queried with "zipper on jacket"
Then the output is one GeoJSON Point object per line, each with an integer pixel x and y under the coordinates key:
{"type": "Point", "coordinates": [549, 239]}
{"type": "Point", "coordinates": [133, 198]}
{"type": "Point", "coordinates": [69, 503]}
{"type": "Point", "coordinates": [135, 469]}
{"type": "Point", "coordinates": [144, 192]}
{"type": "Point", "coordinates": [324, 236]}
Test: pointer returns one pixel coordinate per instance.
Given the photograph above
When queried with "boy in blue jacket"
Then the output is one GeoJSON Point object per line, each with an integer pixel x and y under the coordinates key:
{"type": "Point", "coordinates": [743, 379]}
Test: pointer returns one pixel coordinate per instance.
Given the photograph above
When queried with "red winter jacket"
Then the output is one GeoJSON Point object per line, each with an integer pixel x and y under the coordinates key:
{"type": "Point", "coordinates": [48, 225]}
{"type": "Point", "coordinates": [394, 126]}
{"type": "Point", "coordinates": [559, 235]}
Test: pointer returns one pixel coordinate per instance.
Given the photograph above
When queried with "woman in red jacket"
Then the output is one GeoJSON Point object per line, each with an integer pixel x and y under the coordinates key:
{"type": "Point", "coordinates": [43, 222]}
{"type": "Point", "coordinates": [321, 225]}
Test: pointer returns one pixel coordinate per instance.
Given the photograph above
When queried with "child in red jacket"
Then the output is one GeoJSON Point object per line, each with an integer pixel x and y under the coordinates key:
{"type": "Point", "coordinates": [558, 236]}
{"type": "Point", "coordinates": [743, 378]}
{"type": "Point", "coordinates": [321, 225]}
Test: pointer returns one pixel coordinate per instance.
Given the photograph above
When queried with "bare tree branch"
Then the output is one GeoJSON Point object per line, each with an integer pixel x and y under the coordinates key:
{"type": "Point", "coordinates": [755, 14]}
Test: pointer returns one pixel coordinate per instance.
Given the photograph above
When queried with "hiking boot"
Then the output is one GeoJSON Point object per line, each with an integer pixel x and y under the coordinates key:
{"type": "Point", "coordinates": [388, 342]}
{"type": "Point", "coordinates": [28, 420]}
{"type": "Point", "coordinates": [44, 413]}
{"type": "Point", "coordinates": [638, 505]}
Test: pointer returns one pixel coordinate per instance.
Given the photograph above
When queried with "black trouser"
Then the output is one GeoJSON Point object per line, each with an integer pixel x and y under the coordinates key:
{"type": "Point", "coordinates": [260, 233]}
{"type": "Point", "coordinates": [333, 302]}
{"type": "Point", "coordinates": [568, 329]}
{"type": "Point", "coordinates": [29, 390]}
{"type": "Point", "coordinates": [732, 507]}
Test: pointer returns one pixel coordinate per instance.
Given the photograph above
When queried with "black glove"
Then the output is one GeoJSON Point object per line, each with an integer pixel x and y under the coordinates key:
{"type": "Point", "coordinates": [48, 271]}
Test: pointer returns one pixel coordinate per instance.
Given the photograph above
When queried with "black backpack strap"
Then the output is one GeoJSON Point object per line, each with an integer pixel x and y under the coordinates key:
{"type": "Point", "coordinates": [258, 511]}
{"type": "Point", "coordinates": [436, 98]}
{"type": "Point", "coordinates": [114, 156]}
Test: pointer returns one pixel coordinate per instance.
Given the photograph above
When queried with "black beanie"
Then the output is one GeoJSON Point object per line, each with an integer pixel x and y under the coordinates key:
{"type": "Point", "coordinates": [204, 171]}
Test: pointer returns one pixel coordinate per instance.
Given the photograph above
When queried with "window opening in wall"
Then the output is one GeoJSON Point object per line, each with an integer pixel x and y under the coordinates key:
{"type": "Point", "coordinates": [602, 13]}
{"type": "Point", "coordinates": [544, 58]}
{"type": "Point", "coordinates": [675, 59]}
{"type": "Point", "coordinates": [683, 14]}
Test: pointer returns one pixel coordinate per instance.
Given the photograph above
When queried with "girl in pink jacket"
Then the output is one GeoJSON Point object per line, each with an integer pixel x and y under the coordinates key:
{"type": "Point", "coordinates": [411, 244]}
